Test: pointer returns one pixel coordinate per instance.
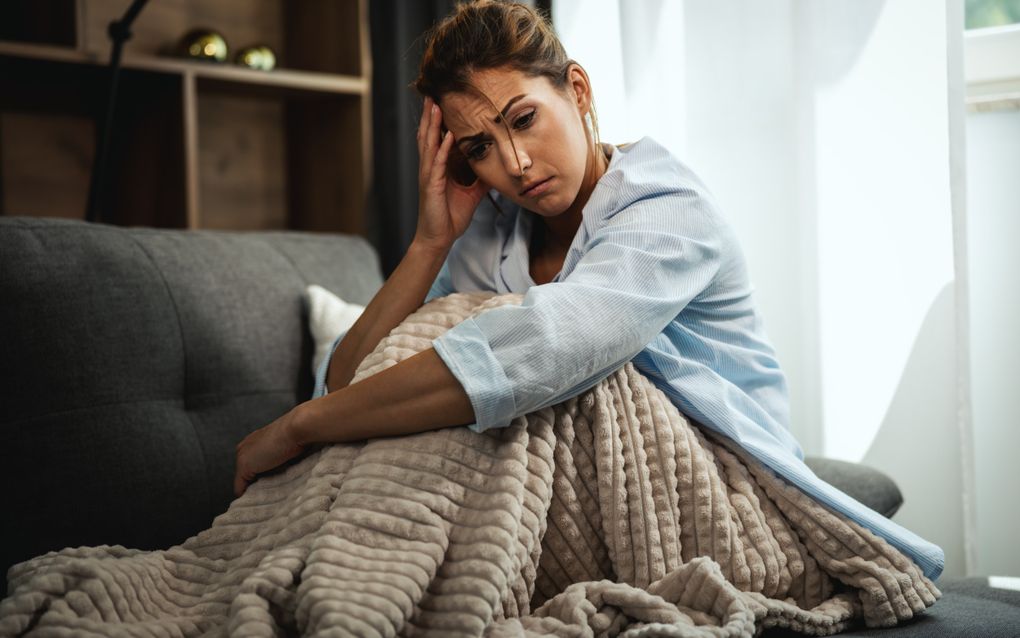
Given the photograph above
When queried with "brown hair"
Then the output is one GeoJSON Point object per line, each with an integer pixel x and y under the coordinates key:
{"type": "Point", "coordinates": [488, 34]}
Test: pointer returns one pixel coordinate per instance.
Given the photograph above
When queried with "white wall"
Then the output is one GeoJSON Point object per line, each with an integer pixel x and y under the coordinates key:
{"type": "Point", "coordinates": [993, 187]}
{"type": "Point", "coordinates": [883, 196]}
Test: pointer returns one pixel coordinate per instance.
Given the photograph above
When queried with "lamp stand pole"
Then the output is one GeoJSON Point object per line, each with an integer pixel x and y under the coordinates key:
{"type": "Point", "coordinates": [119, 32]}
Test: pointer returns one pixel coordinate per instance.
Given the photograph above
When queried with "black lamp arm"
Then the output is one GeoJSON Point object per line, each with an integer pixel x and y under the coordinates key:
{"type": "Point", "coordinates": [119, 32]}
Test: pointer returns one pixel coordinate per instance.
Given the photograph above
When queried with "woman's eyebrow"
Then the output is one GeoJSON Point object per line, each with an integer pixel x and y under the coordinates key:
{"type": "Point", "coordinates": [478, 136]}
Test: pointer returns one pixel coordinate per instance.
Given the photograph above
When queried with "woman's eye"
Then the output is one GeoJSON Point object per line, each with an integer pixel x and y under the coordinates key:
{"type": "Point", "coordinates": [525, 120]}
{"type": "Point", "coordinates": [477, 151]}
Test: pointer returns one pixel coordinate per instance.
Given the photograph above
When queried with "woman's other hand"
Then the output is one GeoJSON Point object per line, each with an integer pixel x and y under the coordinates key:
{"type": "Point", "coordinates": [264, 449]}
{"type": "Point", "coordinates": [445, 207]}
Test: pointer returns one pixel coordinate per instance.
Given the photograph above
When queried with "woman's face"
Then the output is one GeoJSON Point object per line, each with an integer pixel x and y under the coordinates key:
{"type": "Point", "coordinates": [549, 139]}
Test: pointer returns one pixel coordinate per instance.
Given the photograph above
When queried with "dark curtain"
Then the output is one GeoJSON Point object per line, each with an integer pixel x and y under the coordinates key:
{"type": "Point", "coordinates": [397, 29]}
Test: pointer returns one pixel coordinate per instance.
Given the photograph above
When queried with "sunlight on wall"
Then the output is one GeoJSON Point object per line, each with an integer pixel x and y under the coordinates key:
{"type": "Point", "coordinates": [885, 246]}
{"type": "Point", "coordinates": [883, 149]}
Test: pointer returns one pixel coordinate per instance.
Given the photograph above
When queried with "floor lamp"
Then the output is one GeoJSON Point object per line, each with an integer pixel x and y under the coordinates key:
{"type": "Point", "coordinates": [119, 32]}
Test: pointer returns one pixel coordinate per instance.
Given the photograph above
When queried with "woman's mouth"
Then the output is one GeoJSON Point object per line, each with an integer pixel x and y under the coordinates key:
{"type": "Point", "coordinates": [537, 188]}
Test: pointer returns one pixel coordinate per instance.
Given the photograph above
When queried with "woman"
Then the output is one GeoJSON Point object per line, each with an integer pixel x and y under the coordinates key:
{"type": "Point", "coordinates": [620, 253]}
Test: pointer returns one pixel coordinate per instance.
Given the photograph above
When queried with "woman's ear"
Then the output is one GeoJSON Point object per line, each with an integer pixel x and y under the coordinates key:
{"type": "Point", "coordinates": [580, 87]}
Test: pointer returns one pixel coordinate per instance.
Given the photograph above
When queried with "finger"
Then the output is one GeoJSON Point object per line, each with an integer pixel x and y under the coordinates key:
{"type": "Point", "coordinates": [239, 485]}
{"type": "Point", "coordinates": [435, 140]}
{"type": "Point", "coordinates": [423, 123]}
{"type": "Point", "coordinates": [439, 162]}
{"type": "Point", "coordinates": [429, 144]}
{"type": "Point", "coordinates": [431, 139]}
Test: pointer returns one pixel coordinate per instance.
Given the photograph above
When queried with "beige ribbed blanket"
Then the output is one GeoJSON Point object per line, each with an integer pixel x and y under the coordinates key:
{"type": "Point", "coordinates": [609, 514]}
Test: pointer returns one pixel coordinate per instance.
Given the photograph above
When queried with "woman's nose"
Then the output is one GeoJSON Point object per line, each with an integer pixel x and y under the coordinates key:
{"type": "Point", "coordinates": [516, 159]}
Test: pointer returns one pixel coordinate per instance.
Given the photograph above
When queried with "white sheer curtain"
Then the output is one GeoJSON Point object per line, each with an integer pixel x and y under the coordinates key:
{"type": "Point", "coordinates": [831, 134]}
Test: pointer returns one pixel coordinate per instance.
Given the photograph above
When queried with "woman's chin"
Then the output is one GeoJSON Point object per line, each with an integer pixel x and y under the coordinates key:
{"type": "Point", "coordinates": [545, 206]}
{"type": "Point", "coordinates": [549, 205]}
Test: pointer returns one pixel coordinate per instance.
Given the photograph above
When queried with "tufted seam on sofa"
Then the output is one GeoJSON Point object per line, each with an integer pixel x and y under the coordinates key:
{"type": "Point", "coordinates": [297, 271]}
{"type": "Point", "coordinates": [83, 408]}
{"type": "Point", "coordinates": [286, 258]}
{"type": "Point", "coordinates": [184, 353]}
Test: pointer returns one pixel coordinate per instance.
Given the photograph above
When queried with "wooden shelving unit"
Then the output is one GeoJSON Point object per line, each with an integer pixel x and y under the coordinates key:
{"type": "Point", "coordinates": [195, 144]}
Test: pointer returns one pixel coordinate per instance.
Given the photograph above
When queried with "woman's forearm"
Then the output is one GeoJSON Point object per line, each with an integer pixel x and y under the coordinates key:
{"type": "Point", "coordinates": [402, 294]}
{"type": "Point", "coordinates": [416, 395]}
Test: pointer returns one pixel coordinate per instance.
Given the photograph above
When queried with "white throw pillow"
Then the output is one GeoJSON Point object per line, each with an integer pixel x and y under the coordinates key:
{"type": "Point", "coordinates": [328, 316]}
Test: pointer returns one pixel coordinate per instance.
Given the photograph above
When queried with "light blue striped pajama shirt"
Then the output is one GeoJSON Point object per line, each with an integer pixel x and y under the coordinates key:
{"type": "Point", "coordinates": [654, 276]}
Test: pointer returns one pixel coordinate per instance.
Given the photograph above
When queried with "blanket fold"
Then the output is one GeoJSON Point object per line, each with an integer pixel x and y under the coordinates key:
{"type": "Point", "coordinates": [609, 514]}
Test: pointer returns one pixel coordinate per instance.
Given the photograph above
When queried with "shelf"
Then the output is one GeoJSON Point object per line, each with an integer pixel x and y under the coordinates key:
{"type": "Point", "coordinates": [195, 144]}
{"type": "Point", "coordinates": [213, 73]}
{"type": "Point", "coordinates": [47, 142]}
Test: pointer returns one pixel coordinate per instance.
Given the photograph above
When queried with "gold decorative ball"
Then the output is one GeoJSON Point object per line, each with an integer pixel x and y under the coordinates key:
{"type": "Point", "coordinates": [259, 57]}
{"type": "Point", "coordinates": [204, 44]}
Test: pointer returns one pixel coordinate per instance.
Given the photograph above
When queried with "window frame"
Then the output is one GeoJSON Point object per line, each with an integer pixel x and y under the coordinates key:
{"type": "Point", "coordinates": [992, 67]}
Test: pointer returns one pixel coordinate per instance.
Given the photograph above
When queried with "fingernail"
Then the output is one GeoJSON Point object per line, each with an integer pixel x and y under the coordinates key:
{"type": "Point", "coordinates": [435, 109]}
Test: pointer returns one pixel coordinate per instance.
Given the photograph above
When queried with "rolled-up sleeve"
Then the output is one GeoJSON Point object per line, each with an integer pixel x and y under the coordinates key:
{"type": "Point", "coordinates": [637, 274]}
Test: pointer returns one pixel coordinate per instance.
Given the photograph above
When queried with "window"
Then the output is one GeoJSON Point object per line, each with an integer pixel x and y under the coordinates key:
{"type": "Point", "coordinates": [992, 54]}
{"type": "Point", "coordinates": [981, 14]}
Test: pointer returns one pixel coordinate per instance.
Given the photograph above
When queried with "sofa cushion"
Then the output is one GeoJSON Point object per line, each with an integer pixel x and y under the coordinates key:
{"type": "Point", "coordinates": [968, 608]}
{"type": "Point", "coordinates": [135, 359]}
{"type": "Point", "coordinates": [328, 317]}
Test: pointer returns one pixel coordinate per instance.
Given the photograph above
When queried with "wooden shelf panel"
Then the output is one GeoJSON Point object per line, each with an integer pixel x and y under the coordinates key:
{"type": "Point", "coordinates": [227, 76]}
{"type": "Point", "coordinates": [279, 163]}
{"type": "Point", "coordinates": [328, 161]}
{"type": "Point", "coordinates": [47, 164]}
{"type": "Point", "coordinates": [241, 163]}
{"type": "Point", "coordinates": [47, 142]}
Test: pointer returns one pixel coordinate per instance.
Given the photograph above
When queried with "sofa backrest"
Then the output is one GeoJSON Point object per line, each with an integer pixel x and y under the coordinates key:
{"type": "Point", "coordinates": [132, 362]}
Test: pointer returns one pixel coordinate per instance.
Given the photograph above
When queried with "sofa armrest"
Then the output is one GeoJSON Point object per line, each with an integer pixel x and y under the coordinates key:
{"type": "Point", "coordinates": [869, 486]}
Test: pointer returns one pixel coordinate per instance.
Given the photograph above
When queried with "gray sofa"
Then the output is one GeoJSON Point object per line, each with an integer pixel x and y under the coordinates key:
{"type": "Point", "coordinates": [134, 360]}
